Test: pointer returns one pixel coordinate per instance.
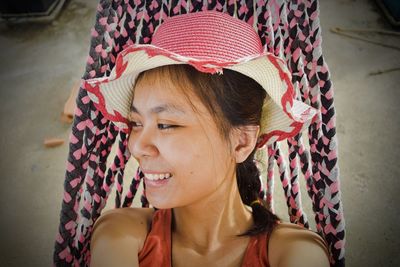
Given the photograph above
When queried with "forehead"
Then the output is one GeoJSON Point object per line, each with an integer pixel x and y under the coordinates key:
{"type": "Point", "coordinates": [166, 86]}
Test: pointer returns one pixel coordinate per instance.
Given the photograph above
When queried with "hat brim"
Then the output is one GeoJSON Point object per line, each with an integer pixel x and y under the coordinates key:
{"type": "Point", "coordinates": [282, 117]}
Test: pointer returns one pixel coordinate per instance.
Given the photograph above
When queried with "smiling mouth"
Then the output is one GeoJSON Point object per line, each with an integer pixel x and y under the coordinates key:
{"type": "Point", "coordinates": [157, 177]}
{"type": "Point", "coordinates": [158, 180]}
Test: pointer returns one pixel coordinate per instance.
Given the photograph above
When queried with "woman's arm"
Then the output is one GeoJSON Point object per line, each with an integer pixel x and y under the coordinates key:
{"type": "Point", "coordinates": [118, 236]}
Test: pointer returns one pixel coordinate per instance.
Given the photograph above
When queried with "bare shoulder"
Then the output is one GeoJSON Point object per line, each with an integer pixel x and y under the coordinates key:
{"type": "Point", "coordinates": [118, 235]}
{"type": "Point", "coordinates": [133, 221]}
{"type": "Point", "coordinates": [292, 245]}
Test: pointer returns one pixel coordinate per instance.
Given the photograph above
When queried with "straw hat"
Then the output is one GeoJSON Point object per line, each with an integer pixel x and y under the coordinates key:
{"type": "Point", "coordinates": [210, 41]}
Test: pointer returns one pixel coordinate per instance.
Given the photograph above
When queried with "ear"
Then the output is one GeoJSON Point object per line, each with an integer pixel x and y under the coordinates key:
{"type": "Point", "coordinates": [245, 139]}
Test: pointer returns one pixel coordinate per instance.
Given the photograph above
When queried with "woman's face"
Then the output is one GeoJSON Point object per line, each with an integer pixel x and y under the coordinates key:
{"type": "Point", "coordinates": [178, 145]}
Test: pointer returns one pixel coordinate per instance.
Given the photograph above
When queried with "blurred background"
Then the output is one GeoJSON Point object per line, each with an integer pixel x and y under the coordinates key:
{"type": "Point", "coordinates": [44, 55]}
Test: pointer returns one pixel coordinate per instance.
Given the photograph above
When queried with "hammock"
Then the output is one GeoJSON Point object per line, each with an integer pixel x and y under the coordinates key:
{"type": "Point", "coordinates": [290, 30]}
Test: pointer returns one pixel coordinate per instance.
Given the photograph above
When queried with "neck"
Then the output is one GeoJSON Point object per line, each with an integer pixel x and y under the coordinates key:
{"type": "Point", "coordinates": [214, 220]}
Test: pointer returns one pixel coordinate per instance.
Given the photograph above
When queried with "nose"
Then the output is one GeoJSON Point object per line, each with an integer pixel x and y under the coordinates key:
{"type": "Point", "coordinates": [141, 144]}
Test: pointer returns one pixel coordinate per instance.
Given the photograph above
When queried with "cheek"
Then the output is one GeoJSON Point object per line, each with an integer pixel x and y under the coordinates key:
{"type": "Point", "coordinates": [201, 159]}
{"type": "Point", "coordinates": [131, 141]}
{"type": "Point", "coordinates": [184, 153]}
{"type": "Point", "coordinates": [129, 146]}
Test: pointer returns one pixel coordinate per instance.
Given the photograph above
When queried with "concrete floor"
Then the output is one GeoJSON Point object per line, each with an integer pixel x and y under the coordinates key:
{"type": "Point", "coordinates": [40, 63]}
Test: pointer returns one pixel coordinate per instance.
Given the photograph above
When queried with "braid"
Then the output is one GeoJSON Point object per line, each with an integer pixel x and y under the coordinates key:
{"type": "Point", "coordinates": [143, 199]}
{"type": "Point", "coordinates": [93, 173]}
{"type": "Point", "coordinates": [121, 158]}
{"type": "Point", "coordinates": [245, 11]}
{"type": "Point", "coordinates": [298, 216]}
{"type": "Point", "coordinates": [270, 180]}
{"type": "Point", "coordinates": [211, 5]}
{"type": "Point", "coordinates": [133, 188]}
{"type": "Point", "coordinates": [231, 8]}
{"type": "Point", "coordinates": [249, 183]}
{"type": "Point", "coordinates": [195, 6]}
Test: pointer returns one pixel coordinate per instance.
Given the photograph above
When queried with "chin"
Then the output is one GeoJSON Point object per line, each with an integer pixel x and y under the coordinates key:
{"type": "Point", "coordinates": [161, 206]}
{"type": "Point", "coordinates": [164, 203]}
{"type": "Point", "coordinates": [160, 203]}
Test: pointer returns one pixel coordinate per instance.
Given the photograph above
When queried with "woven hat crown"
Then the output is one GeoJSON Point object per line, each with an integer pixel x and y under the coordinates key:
{"type": "Point", "coordinates": [208, 36]}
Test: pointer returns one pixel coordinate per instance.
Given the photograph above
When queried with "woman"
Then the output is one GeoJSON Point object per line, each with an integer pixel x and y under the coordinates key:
{"type": "Point", "coordinates": [198, 102]}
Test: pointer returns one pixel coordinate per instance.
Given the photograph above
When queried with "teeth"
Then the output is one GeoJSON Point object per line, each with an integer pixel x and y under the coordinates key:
{"type": "Point", "coordinates": [157, 176]}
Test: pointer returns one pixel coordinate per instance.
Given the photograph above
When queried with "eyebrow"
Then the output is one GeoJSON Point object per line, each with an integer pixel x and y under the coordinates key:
{"type": "Point", "coordinates": [169, 108]}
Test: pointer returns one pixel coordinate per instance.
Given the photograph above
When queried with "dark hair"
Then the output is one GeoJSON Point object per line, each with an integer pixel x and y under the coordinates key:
{"type": "Point", "coordinates": [234, 100]}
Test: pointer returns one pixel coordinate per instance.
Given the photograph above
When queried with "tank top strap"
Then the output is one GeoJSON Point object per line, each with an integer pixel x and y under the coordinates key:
{"type": "Point", "coordinates": [156, 250]}
{"type": "Point", "coordinates": [256, 254]}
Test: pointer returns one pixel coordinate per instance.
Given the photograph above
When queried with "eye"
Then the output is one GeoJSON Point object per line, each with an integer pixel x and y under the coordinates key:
{"type": "Point", "coordinates": [163, 126]}
{"type": "Point", "coordinates": [134, 125]}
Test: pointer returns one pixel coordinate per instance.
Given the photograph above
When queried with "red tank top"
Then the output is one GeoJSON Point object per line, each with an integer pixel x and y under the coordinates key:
{"type": "Point", "coordinates": [156, 250]}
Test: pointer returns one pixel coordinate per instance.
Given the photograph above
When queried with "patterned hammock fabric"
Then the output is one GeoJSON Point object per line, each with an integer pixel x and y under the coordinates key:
{"type": "Point", "coordinates": [289, 29]}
